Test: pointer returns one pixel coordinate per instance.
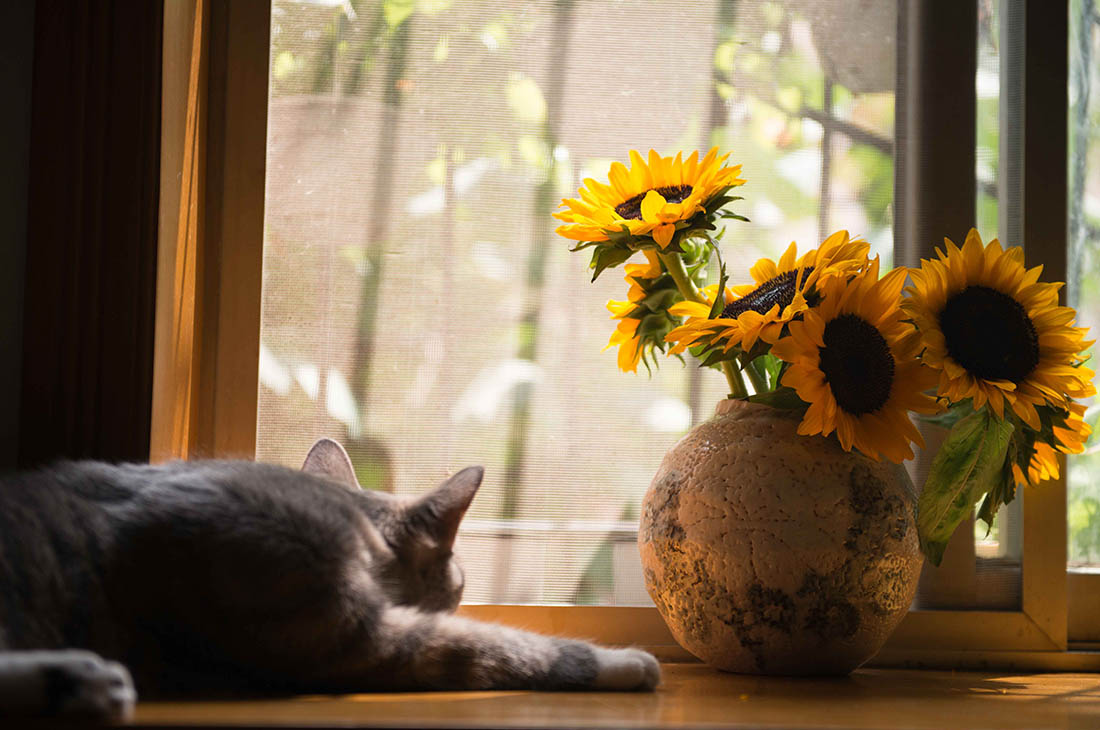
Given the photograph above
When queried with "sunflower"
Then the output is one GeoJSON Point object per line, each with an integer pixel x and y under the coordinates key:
{"type": "Point", "coordinates": [781, 291]}
{"type": "Point", "coordinates": [642, 324]}
{"type": "Point", "coordinates": [853, 359]}
{"type": "Point", "coordinates": [627, 339]}
{"type": "Point", "coordinates": [648, 199]}
{"type": "Point", "coordinates": [1038, 461]}
{"type": "Point", "coordinates": [995, 332]}
{"type": "Point", "coordinates": [637, 274]}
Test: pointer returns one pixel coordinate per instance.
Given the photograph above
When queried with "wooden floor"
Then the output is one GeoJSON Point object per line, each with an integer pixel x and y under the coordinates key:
{"type": "Point", "coordinates": [693, 695]}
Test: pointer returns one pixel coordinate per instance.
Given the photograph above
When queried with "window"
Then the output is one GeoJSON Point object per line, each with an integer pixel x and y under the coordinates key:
{"type": "Point", "coordinates": [1083, 510]}
{"type": "Point", "coordinates": [417, 303]}
{"type": "Point", "coordinates": [983, 569]}
{"type": "Point", "coordinates": [1084, 242]}
{"type": "Point", "coordinates": [488, 349]}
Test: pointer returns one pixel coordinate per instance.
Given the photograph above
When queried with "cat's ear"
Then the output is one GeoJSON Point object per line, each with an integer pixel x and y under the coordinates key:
{"type": "Point", "coordinates": [439, 511]}
{"type": "Point", "coordinates": [329, 460]}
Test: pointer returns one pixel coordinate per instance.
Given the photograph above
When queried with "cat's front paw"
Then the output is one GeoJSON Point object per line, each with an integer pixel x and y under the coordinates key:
{"type": "Point", "coordinates": [626, 669]}
{"type": "Point", "coordinates": [80, 683]}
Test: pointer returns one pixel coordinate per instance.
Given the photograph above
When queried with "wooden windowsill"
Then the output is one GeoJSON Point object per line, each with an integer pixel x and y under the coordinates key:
{"type": "Point", "coordinates": [692, 695]}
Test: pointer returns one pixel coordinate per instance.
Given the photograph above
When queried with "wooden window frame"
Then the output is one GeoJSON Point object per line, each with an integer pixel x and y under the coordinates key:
{"type": "Point", "coordinates": [210, 264]}
{"type": "Point", "coordinates": [210, 284]}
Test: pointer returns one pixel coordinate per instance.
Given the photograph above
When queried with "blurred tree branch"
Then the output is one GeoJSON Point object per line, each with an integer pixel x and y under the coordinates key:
{"type": "Point", "coordinates": [858, 134]}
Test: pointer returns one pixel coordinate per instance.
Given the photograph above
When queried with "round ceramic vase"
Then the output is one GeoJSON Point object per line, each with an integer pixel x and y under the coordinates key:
{"type": "Point", "coordinates": [767, 552]}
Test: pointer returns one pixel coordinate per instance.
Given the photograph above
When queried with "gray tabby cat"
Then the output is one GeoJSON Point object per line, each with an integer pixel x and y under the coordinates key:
{"type": "Point", "coordinates": [237, 576]}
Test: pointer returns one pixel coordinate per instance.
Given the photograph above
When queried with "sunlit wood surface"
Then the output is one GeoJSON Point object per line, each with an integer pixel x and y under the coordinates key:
{"type": "Point", "coordinates": [692, 695]}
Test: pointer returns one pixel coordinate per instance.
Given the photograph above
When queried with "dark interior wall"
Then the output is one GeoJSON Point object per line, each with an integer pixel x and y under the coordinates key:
{"type": "Point", "coordinates": [90, 267]}
{"type": "Point", "coordinates": [16, 56]}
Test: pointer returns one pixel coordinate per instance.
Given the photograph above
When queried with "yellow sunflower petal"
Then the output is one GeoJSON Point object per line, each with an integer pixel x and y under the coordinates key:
{"type": "Point", "coordinates": [619, 177]}
{"type": "Point", "coordinates": [779, 295]}
{"type": "Point", "coordinates": [763, 270]}
{"type": "Point", "coordinates": [632, 197]}
{"type": "Point", "coordinates": [690, 309]}
{"type": "Point", "coordinates": [651, 206]}
{"type": "Point", "coordinates": [620, 309]}
{"type": "Point", "coordinates": [641, 178]}
{"type": "Point", "coordinates": [866, 412]}
{"type": "Point", "coordinates": [993, 329]}
{"type": "Point", "coordinates": [788, 350]}
{"type": "Point", "coordinates": [630, 353]}
{"type": "Point", "coordinates": [786, 261]}
{"type": "Point", "coordinates": [1027, 413]}
{"type": "Point", "coordinates": [662, 234]}
{"type": "Point", "coordinates": [813, 421]}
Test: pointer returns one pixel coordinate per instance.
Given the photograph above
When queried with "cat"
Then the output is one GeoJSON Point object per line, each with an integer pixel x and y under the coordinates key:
{"type": "Point", "coordinates": [225, 576]}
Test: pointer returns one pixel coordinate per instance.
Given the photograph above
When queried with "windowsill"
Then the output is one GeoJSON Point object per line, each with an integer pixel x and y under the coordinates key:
{"type": "Point", "coordinates": [692, 695]}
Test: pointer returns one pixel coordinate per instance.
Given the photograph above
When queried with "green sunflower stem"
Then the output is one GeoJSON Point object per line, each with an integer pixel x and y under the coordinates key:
{"type": "Point", "coordinates": [675, 267]}
{"type": "Point", "coordinates": [736, 382]}
{"type": "Point", "coordinates": [759, 385]}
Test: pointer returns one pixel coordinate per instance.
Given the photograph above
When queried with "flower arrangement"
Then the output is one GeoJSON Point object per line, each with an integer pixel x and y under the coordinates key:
{"type": "Point", "coordinates": [977, 343]}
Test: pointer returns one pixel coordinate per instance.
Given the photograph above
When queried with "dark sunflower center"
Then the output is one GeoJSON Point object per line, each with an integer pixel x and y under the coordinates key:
{"type": "Point", "coordinates": [779, 290]}
{"type": "Point", "coordinates": [857, 364]}
{"type": "Point", "coordinates": [632, 209]}
{"type": "Point", "coordinates": [989, 333]}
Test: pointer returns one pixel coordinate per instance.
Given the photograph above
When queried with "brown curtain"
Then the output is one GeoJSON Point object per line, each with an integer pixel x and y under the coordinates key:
{"type": "Point", "coordinates": [92, 231]}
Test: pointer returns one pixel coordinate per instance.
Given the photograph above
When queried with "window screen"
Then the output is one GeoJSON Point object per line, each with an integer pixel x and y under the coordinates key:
{"type": "Point", "coordinates": [1083, 259]}
{"type": "Point", "coordinates": [418, 306]}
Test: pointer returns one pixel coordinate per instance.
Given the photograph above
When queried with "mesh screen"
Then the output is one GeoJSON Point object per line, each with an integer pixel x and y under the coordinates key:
{"type": "Point", "coordinates": [417, 304]}
{"type": "Point", "coordinates": [1083, 287]}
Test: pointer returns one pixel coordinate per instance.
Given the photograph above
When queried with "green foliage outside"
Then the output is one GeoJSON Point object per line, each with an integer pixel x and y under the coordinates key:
{"type": "Point", "coordinates": [1083, 508]}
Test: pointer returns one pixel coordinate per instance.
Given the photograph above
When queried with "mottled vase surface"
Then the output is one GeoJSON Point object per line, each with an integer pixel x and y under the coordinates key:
{"type": "Point", "coordinates": [767, 552]}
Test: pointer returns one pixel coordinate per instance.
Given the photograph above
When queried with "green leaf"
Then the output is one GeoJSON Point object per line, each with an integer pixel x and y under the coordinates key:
{"type": "Point", "coordinates": [969, 463]}
{"type": "Point", "coordinates": [768, 367]}
{"type": "Point", "coordinates": [952, 415]}
{"type": "Point", "coordinates": [698, 272]}
{"type": "Point", "coordinates": [607, 257]}
{"type": "Point", "coordinates": [717, 355]}
{"type": "Point", "coordinates": [661, 300]}
{"type": "Point", "coordinates": [786, 398]}
{"type": "Point", "coordinates": [652, 324]}
{"type": "Point", "coordinates": [587, 244]}
{"type": "Point", "coordinates": [720, 294]}
{"type": "Point", "coordinates": [759, 373]}
{"type": "Point", "coordinates": [759, 349]}
{"type": "Point", "coordinates": [1004, 491]}
{"type": "Point", "coordinates": [776, 368]}
{"type": "Point", "coordinates": [1007, 491]}
{"type": "Point", "coordinates": [989, 508]}
{"type": "Point", "coordinates": [396, 11]}
{"type": "Point", "coordinates": [719, 199]}
{"type": "Point", "coordinates": [620, 236]}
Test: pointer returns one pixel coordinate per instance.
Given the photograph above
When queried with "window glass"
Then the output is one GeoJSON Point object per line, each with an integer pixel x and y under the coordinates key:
{"type": "Point", "coordinates": [1083, 290]}
{"type": "Point", "coordinates": [987, 89]}
{"type": "Point", "coordinates": [1000, 55]}
{"type": "Point", "coordinates": [417, 304]}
